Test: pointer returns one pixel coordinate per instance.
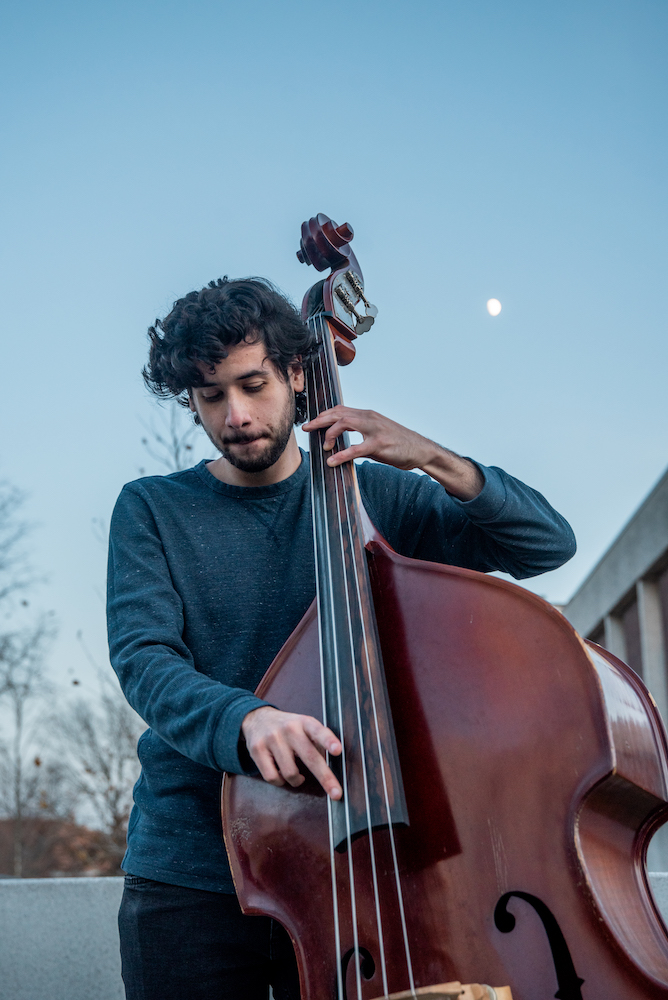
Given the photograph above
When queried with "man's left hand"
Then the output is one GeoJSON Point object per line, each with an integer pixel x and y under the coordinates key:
{"type": "Point", "coordinates": [391, 443]}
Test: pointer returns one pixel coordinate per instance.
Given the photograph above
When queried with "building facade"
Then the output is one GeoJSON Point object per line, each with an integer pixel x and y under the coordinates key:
{"type": "Point", "coordinates": [623, 603]}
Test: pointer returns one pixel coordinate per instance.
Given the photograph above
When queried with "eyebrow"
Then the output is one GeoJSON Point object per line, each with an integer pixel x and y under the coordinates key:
{"type": "Point", "coordinates": [240, 378]}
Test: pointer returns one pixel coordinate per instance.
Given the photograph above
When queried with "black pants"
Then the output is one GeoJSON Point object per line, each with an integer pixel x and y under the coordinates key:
{"type": "Point", "coordinates": [188, 944]}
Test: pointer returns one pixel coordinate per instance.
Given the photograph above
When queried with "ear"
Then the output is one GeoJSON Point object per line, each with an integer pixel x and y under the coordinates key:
{"type": "Point", "coordinates": [296, 373]}
{"type": "Point", "coordinates": [191, 405]}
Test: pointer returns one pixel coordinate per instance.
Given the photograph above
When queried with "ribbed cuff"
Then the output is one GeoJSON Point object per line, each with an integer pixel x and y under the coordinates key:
{"type": "Point", "coordinates": [226, 742]}
{"type": "Point", "coordinates": [492, 497]}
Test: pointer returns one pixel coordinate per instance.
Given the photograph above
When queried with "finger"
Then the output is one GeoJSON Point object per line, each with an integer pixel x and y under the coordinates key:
{"type": "Point", "coordinates": [319, 769]}
{"type": "Point", "coordinates": [267, 767]}
{"type": "Point", "coordinates": [358, 421]}
{"type": "Point", "coordinates": [318, 736]}
{"type": "Point", "coordinates": [334, 433]}
{"type": "Point", "coordinates": [347, 418]}
{"type": "Point", "coordinates": [323, 419]}
{"type": "Point", "coordinates": [362, 450]}
{"type": "Point", "coordinates": [277, 762]}
{"type": "Point", "coordinates": [322, 736]}
{"type": "Point", "coordinates": [302, 746]}
{"type": "Point", "coordinates": [337, 430]}
{"type": "Point", "coordinates": [284, 756]}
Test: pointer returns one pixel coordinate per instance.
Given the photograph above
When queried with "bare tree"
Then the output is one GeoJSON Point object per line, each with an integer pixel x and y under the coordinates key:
{"type": "Point", "coordinates": [97, 742]}
{"type": "Point", "coordinates": [14, 572]}
{"type": "Point", "coordinates": [172, 444]}
{"type": "Point", "coordinates": [22, 686]}
{"type": "Point", "coordinates": [80, 758]}
{"type": "Point", "coordinates": [24, 781]}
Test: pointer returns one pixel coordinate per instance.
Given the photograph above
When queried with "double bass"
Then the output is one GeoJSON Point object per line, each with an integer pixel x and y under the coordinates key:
{"type": "Point", "coordinates": [501, 776]}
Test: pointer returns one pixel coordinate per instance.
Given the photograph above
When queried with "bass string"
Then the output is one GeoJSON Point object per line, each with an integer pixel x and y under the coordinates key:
{"type": "Point", "coordinates": [312, 408]}
{"type": "Point", "coordinates": [359, 723]}
{"type": "Point", "coordinates": [344, 769]}
{"type": "Point", "coordinates": [341, 494]}
{"type": "Point", "coordinates": [365, 645]}
{"type": "Point", "coordinates": [318, 474]}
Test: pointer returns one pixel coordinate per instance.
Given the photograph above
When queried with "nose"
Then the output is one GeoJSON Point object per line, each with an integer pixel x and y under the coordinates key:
{"type": "Point", "coordinates": [237, 411]}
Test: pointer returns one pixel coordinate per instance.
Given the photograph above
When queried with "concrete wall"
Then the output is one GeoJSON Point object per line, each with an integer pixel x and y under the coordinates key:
{"type": "Point", "coordinates": [59, 939]}
{"type": "Point", "coordinates": [628, 575]}
{"type": "Point", "coordinates": [629, 558]}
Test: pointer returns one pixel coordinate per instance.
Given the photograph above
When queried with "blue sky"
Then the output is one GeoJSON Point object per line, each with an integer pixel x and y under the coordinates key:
{"type": "Point", "coordinates": [479, 149]}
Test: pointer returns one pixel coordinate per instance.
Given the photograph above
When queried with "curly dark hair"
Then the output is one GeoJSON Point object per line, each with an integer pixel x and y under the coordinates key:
{"type": "Point", "coordinates": [195, 335]}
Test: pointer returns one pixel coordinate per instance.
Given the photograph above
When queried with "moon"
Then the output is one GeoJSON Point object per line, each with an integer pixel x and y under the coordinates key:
{"type": "Point", "coordinates": [493, 307]}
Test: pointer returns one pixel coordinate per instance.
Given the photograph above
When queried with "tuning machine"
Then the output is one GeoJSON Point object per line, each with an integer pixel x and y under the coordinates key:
{"type": "Point", "coordinates": [350, 302]}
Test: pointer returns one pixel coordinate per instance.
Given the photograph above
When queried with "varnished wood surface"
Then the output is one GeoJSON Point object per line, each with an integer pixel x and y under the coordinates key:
{"type": "Point", "coordinates": [513, 749]}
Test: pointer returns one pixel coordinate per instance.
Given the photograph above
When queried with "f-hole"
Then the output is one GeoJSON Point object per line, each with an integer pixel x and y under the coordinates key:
{"type": "Point", "coordinates": [367, 966]}
{"type": "Point", "coordinates": [567, 978]}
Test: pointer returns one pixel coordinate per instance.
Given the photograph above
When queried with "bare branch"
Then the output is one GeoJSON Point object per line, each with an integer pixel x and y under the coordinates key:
{"type": "Point", "coordinates": [100, 531]}
{"type": "Point", "coordinates": [21, 685]}
{"type": "Point", "coordinates": [172, 444]}
{"type": "Point", "coordinates": [21, 655]}
{"type": "Point", "coordinates": [14, 571]}
{"type": "Point", "coordinates": [99, 744]}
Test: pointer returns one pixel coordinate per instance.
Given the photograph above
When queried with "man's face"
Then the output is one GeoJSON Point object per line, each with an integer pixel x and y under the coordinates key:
{"type": "Point", "coordinates": [247, 408]}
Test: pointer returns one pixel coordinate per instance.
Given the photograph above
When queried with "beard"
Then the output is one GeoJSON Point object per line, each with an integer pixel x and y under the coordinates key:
{"type": "Point", "coordinates": [276, 440]}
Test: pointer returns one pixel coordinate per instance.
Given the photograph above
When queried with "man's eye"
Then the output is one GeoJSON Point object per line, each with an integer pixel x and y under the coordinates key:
{"type": "Point", "coordinates": [212, 399]}
{"type": "Point", "coordinates": [254, 388]}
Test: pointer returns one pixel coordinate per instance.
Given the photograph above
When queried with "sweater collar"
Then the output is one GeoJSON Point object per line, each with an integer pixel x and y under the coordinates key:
{"type": "Point", "coordinates": [298, 477]}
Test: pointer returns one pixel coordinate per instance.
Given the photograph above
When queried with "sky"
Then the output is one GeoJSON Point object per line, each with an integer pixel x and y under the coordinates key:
{"type": "Point", "coordinates": [479, 149]}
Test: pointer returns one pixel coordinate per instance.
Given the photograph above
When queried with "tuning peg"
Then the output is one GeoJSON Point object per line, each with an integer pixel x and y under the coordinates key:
{"type": "Point", "coordinates": [366, 322]}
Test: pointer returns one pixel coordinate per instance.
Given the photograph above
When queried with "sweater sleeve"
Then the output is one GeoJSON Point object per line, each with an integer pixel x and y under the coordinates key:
{"type": "Point", "coordinates": [196, 715]}
{"type": "Point", "coordinates": [508, 527]}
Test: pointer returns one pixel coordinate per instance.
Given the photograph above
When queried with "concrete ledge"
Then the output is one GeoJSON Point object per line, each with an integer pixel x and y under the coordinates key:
{"type": "Point", "coordinates": [659, 884]}
{"type": "Point", "coordinates": [633, 553]}
{"type": "Point", "coordinates": [59, 937]}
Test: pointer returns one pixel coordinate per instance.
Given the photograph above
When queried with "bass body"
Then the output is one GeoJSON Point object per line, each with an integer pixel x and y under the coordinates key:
{"type": "Point", "coordinates": [534, 764]}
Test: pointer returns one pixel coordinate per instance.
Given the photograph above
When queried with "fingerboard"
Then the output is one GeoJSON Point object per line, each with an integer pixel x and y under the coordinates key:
{"type": "Point", "coordinates": [355, 701]}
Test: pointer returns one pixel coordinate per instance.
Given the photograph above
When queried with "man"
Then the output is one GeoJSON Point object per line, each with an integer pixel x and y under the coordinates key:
{"type": "Point", "coordinates": [210, 570]}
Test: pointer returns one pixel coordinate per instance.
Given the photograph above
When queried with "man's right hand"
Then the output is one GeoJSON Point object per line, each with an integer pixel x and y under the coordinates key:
{"type": "Point", "coordinates": [275, 739]}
